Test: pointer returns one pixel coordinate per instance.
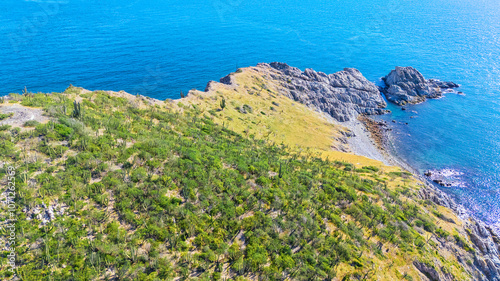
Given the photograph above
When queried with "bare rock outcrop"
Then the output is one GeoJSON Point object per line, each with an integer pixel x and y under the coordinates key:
{"type": "Point", "coordinates": [407, 85]}
{"type": "Point", "coordinates": [430, 271]}
{"type": "Point", "coordinates": [343, 95]}
{"type": "Point", "coordinates": [486, 242]}
{"type": "Point", "coordinates": [44, 213]}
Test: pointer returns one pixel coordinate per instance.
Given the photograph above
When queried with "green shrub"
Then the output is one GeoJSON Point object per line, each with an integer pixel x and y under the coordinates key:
{"type": "Point", "coordinates": [4, 116]}
{"type": "Point", "coordinates": [63, 131]}
{"type": "Point", "coordinates": [138, 174]}
{"type": "Point", "coordinates": [5, 127]}
{"type": "Point", "coordinates": [442, 233]}
{"type": "Point", "coordinates": [263, 181]}
{"type": "Point", "coordinates": [31, 123]}
{"type": "Point", "coordinates": [371, 168]}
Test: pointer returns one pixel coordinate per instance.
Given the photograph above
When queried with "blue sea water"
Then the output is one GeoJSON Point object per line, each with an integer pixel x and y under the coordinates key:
{"type": "Point", "coordinates": [158, 48]}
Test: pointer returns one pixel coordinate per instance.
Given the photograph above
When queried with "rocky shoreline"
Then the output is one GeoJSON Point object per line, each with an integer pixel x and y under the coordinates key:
{"type": "Point", "coordinates": [350, 98]}
{"type": "Point", "coordinates": [406, 85]}
{"type": "Point", "coordinates": [485, 239]}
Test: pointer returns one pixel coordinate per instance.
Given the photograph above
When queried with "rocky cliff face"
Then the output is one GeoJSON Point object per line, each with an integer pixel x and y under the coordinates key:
{"type": "Point", "coordinates": [347, 93]}
{"type": "Point", "coordinates": [407, 85]}
{"type": "Point", "coordinates": [343, 95]}
{"type": "Point", "coordinates": [485, 241]}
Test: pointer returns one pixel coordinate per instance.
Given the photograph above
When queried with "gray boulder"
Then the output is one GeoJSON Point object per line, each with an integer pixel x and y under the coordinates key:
{"type": "Point", "coordinates": [407, 85]}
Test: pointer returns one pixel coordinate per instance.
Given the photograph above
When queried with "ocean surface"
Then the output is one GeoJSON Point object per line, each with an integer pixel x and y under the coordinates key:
{"type": "Point", "coordinates": [158, 48]}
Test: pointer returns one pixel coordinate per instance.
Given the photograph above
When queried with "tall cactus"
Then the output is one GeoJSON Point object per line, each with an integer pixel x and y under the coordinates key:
{"type": "Point", "coordinates": [223, 103]}
{"type": "Point", "coordinates": [76, 109]}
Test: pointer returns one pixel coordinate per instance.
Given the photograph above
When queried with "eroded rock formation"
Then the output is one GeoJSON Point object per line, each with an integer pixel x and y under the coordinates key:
{"type": "Point", "coordinates": [343, 95]}
{"type": "Point", "coordinates": [407, 85]}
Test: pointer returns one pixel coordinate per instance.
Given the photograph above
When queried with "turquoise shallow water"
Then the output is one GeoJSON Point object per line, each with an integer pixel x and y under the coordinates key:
{"type": "Point", "coordinates": [158, 48]}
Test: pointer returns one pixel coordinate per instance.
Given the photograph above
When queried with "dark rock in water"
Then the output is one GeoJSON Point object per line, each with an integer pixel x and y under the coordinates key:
{"type": "Point", "coordinates": [445, 177]}
{"type": "Point", "coordinates": [443, 84]}
{"type": "Point", "coordinates": [343, 95]}
{"type": "Point", "coordinates": [407, 85]}
{"type": "Point", "coordinates": [403, 108]}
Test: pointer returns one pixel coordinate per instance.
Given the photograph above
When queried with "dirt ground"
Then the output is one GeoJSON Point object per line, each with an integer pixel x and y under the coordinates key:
{"type": "Point", "coordinates": [21, 114]}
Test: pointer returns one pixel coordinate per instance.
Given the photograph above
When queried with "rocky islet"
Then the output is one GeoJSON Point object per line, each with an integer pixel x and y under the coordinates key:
{"type": "Point", "coordinates": [406, 85]}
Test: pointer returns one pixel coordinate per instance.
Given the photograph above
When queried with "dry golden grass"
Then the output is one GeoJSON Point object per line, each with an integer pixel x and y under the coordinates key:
{"type": "Point", "coordinates": [275, 117]}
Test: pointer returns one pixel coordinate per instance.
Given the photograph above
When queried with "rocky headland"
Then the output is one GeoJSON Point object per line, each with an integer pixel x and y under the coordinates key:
{"type": "Point", "coordinates": [346, 94]}
{"type": "Point", "coordinates": [348, 97]}
{"type": "Point", "coordinates": [343, 95]}
{"type": "Point", "coordinates": [277, 93]}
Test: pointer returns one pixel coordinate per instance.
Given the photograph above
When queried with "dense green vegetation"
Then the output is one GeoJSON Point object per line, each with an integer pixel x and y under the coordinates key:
{"type": "Point", "coordinates": [153, 194]}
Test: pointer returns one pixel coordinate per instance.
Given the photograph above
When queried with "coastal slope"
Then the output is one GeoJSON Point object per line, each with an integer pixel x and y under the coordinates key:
{"type": "Point", "coordinates": [245, 180]}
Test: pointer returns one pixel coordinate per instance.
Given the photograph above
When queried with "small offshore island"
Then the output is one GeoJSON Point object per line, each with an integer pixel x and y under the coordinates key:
{"type": "Point", "coordinates": [273, 173]}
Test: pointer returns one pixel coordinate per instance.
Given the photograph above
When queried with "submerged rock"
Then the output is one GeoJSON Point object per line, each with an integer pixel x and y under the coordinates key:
{"type": "Point", "coordinates": [445, 177]}
{"type": "Point", "coordinates": [407, 85]}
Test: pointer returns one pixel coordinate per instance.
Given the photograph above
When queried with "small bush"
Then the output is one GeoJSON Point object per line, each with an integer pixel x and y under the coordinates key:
{"type": "Point", "coordinates": [138, 174]}
{"type": "Point", "coordinates": [31, 123]}
{"type": "Point", "coordinates": [262, 181]}
{"type": "Point", "coordinates": [5, 127]}
{"type": "Point", "coordinates": [63, 130]}
{"type": "Point", "coordinates": [5, 115]}
{"type": "Point", "coordinates": [371, 168]}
